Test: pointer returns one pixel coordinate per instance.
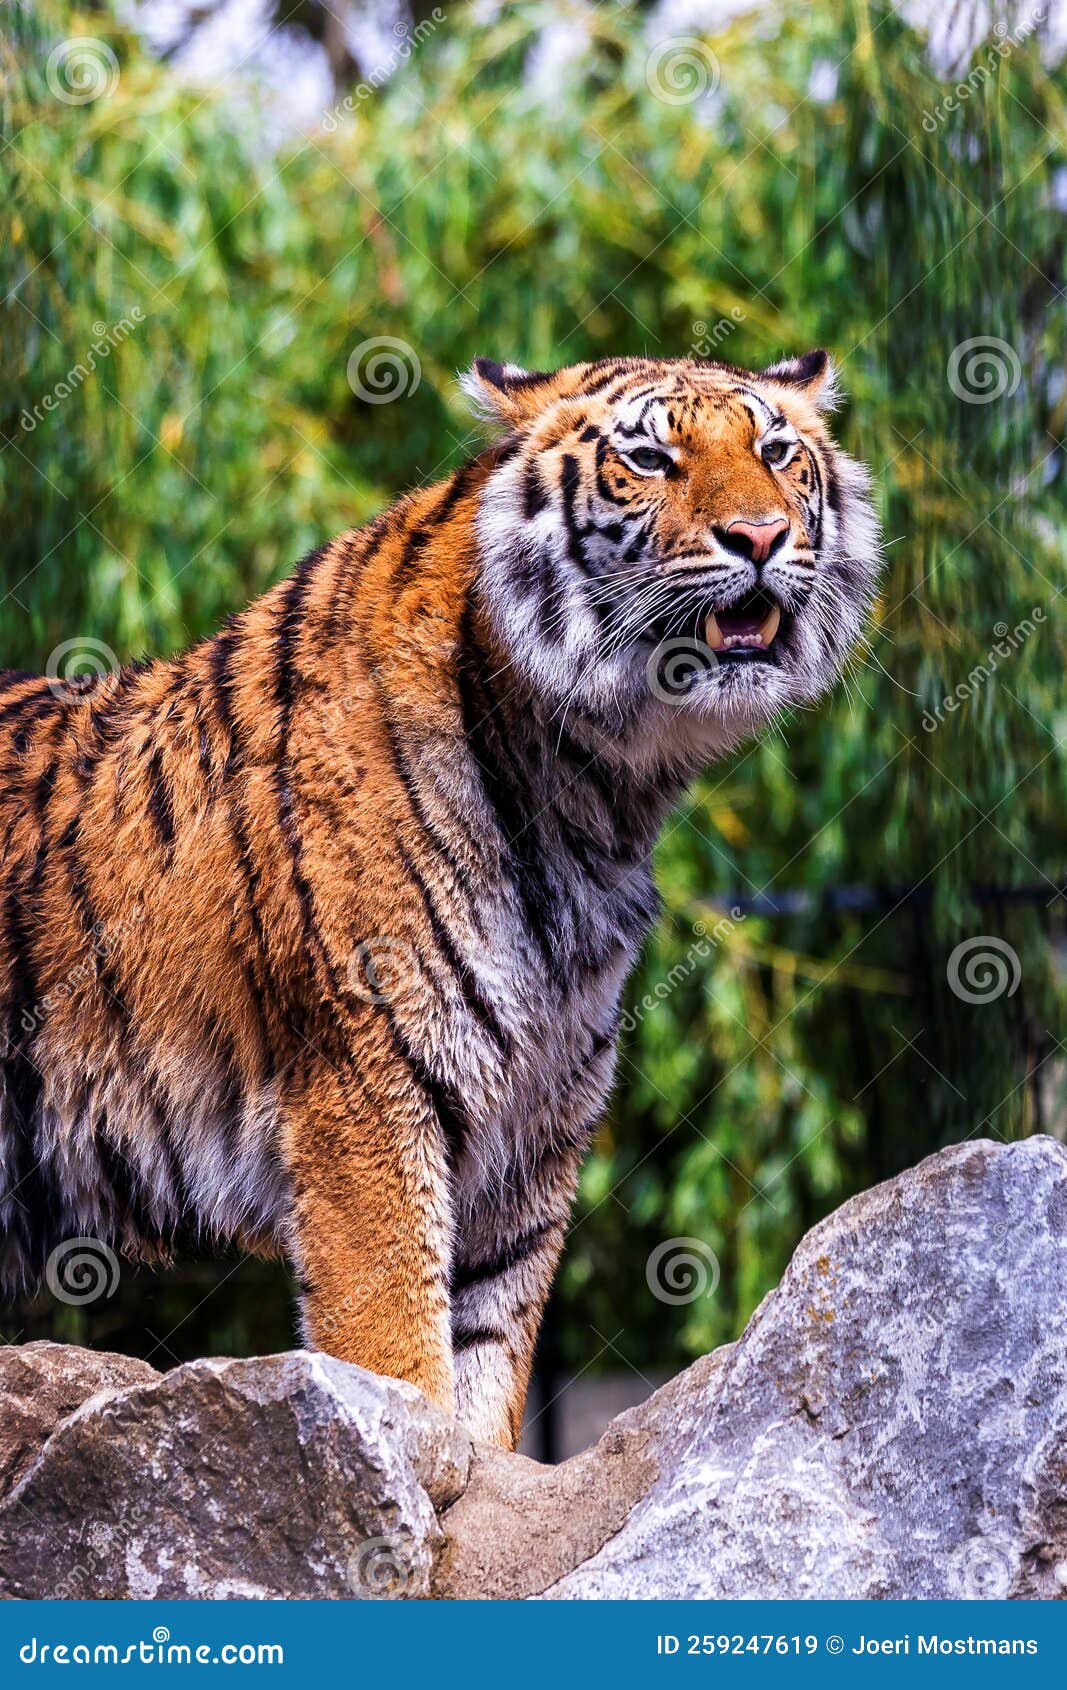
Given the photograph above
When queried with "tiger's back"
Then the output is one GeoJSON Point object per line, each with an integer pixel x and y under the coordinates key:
{"type": "Point", "coordinates": [165, 961]}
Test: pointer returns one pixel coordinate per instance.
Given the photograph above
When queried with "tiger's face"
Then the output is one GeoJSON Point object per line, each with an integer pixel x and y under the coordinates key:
{"type": "Point", "coordinates": [670, 546]}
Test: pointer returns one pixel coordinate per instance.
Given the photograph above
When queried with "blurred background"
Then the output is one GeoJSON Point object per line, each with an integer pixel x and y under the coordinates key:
{"type": "Point", "coordinates": [245, 246]}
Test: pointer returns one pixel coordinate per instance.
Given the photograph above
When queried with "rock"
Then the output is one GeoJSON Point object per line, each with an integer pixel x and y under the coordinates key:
{"type": "Point", "coordinates": [40, 1384]}
{"type": "Point", "coordinates": [286, 1476]}
{"type": "Point", "coordinates": [892, 1424]}
{"type": "Point", "coordinates": [519, 1526]}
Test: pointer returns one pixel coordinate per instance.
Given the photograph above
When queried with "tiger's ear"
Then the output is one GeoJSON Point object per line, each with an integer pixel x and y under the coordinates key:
{"type": "Point", "coordinates": [813, 374]}
{"type": "Point", "coordinates": [505, 392]}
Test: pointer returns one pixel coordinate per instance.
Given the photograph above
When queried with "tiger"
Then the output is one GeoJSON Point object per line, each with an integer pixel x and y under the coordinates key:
{"type": "Point", "coordinates": [315, 935]}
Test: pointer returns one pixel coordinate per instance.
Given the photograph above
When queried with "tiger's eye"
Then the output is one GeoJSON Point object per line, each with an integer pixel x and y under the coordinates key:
{"type": "Point", "coordinates": [777, 452]}
{"type": "Point", "coordinates": [647, 458]}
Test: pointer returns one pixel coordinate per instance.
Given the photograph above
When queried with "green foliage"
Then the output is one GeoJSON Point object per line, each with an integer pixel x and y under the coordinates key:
{"type": "Point", "coordinates": [792, 1059]}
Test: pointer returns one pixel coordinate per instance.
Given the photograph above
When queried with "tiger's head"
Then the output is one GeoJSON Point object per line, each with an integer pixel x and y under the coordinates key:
{"type": "Point", "coordinates": [670, 546]}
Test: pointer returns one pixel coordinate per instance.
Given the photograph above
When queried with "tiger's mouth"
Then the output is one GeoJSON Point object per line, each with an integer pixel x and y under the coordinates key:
{"type": "Point", "coordinates": [746, 630]}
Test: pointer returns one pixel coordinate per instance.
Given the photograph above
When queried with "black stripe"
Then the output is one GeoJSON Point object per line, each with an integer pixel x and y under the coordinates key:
{"type": "Point", "coordinates": [181, 1220]}
{"type": "Point", "coordinates": [569, 484]}
{"type": "Point", "coordinates": [37, 1212]}
{"type": "Point", "coordinates": [461, 483]}
{"type": "Point", "coordinates": [13, 677]}
{"type": "Point", "coordinates": [638, 427]}
{"type": "Point", "coordinates": [104, 727]}
{"type": "Point", "coordinates": [42, 792]}
{"type": "Point", "coordinates": [817, 470]}
{"type": "Point", "coordinates": [442, 846]}
{"type": "Point", "coordinates": [446, 1106]}
{"type": "Point", "coordinates": [612, 370]}
{"type": "Point", "coordinates": [350, 568]}
{"type": "Point", "coordinates": [509, 801]}
{"type": "Point", "coordinates": [516, 1251]}
{"type": "Point", "coordinates": [407, 566]}
{"type": "Point", "coordinates": [129, 1192]}
{"type": "Point", "coordinates": [499, 452]}
{"type": "Point", "coordinates": [223, 697]}
{"type": "Point", "coordinates": [504, 795]}
{"type": "Point", "coordinates": [482, 1011]}
{"type": "Point", "coordinates": [533, 573]}
{"type": "Point", "coordinates": [231, 1098]}
{"type": "Point", "coordinates": [603, 489]}
{"type": "Point", "coordinates": [551, 619]}
{"type": "Point", "coordinates": [577, 1137]}
{"type": "Point", "coordinates": [589, 767]}
{"type": "Point", "coordinates": [398, 758]}
{"type": "Point", "coordinates": [32, 706]}
{"type": "Point", "coordinates": [534, 494]}
{"type": "Point", "coordinates": [222, 648]}
{"type": "Point", "coordinates": [23, 735]}
{"type": "Point", "coordinates": [286, 683]}
{"type": "Point", "coordinates": [160, 807]}
{"type": "Point", "coordinates": [204, 758]}
{"type": "Point", "coordinates": [833, 489]}
{"type": "Point", "coordinates": [120, 1012]}
{"type": "Point", "coordinates": [288, 633]}
{"type": "Point", "coordinates": [69, 843]}
{"type": "Point", "coordinates": [463, 1340]}
{"type": "Point", "coordinates": [284, 690]}
{"type": "Point", "coordinates": [314, 947]}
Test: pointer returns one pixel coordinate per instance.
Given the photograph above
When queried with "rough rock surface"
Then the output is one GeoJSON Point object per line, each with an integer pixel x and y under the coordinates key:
{"type": "Point", "coordinates": [292, 1475]}
{"type": "Point", "coordinates": [893, 1423]}
{"type": "Point", "coordinates": [40, 1384]}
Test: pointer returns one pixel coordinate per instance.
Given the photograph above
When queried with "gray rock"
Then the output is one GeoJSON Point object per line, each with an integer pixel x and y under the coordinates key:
{"type": "Point", "coordinates": [292, 1475]}
{"type": "Point", "coordinates": [40, 1384]}
{"type": "Point", "coordinates": [893, 1424]}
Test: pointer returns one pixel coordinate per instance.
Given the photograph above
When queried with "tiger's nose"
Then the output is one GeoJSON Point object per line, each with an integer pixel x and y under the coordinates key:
{"type": "Point", "coordinates": [757, 541]}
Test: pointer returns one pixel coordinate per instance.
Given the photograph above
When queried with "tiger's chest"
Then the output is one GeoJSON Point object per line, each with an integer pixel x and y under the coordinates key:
{"type": "Point", "coordinates": [528, 1048]}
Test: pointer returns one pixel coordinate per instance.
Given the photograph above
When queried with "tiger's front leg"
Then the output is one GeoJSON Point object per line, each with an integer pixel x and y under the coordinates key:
{"type": "Point", "coordinates": [506, 1254]}
{"type": "Point", "coordinates": [372, 1224]}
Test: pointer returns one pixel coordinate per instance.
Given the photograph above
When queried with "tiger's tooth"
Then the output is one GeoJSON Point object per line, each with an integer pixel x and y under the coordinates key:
{"type": "Point", "coordinates": [713, 633]}
{"type": "Point", "coordinates": [770, 627]}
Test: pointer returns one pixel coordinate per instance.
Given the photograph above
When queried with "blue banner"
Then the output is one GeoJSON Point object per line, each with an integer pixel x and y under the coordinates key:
{"type": "Point", "coordinates": [537, 1644]}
